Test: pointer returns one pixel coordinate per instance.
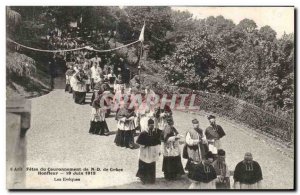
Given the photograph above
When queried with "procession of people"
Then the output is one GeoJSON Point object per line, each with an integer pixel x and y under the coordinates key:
{"type": "Point", "coordinates": [154, 127]}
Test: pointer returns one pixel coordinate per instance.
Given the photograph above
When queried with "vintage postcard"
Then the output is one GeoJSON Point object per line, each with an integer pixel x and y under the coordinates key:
{"type": "Point", "coordinates": [150, 97]}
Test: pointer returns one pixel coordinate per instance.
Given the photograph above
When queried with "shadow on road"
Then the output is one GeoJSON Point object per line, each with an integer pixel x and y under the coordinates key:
{"type": "Point", "coordinates": [112, 133]}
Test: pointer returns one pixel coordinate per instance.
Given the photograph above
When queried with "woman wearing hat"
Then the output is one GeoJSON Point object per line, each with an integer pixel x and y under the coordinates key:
{"type": "Point", "coordinates": [149, 141]}
{"type": "Point", "coordinates": [98, 122]}
{"type": "Point", "coordinates": [172, 166]}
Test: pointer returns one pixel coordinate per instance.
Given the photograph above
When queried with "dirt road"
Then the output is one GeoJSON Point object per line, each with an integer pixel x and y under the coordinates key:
{"type": "Point", "coordinates": [59, 138]}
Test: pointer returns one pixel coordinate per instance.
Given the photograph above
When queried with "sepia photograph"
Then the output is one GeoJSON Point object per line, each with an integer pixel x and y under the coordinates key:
{"type": "Point", "coordinates": [150, 98]}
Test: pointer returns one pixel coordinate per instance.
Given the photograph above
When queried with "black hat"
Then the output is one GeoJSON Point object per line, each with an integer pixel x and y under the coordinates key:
{"type": "Point", "coordinates": [150, 122]}
{"type": "Point", "coordinates": [211, 117]}
{"type": "Point", "coordinates": [195, 121]}
{"type": "Point", "coordinates": [221, 152]}
{"type": "Point", "coordinates": [209, 154]}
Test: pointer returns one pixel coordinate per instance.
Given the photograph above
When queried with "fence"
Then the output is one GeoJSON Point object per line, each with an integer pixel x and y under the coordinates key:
{"type": "Point", "coordinates": [238, 110]}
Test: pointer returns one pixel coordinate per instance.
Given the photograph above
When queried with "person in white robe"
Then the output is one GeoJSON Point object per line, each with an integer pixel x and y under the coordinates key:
{"type": "Point", "coordinates": [149, 141]}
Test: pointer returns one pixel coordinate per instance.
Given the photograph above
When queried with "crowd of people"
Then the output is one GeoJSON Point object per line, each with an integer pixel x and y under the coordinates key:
{"type": "Point", "coordinates": [70, 38]}
{"type": "Point", "coordinates": [206, 166]}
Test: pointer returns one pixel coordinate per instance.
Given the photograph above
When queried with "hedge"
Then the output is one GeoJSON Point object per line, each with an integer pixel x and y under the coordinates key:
{"type": "Point", "coordinates": [237, 110]}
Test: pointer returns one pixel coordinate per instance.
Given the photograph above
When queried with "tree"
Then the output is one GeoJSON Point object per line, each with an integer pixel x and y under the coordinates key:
{"type": "Point", "coordinates": [267, 33]}
{"type": "Point", "coordinates": [158, 22]}
{"type": "Point", "coordinates": [246, 25]}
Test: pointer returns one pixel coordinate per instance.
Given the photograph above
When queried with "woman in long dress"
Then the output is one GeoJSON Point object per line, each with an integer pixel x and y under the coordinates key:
{"type": "Point", "coordinates": [98, 122]}
{"type": "Point", "coordinates": [172, 166]}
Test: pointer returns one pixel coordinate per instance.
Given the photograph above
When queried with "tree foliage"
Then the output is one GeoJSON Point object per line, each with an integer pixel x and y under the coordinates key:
{"type": "Point", "coordinates": [212, 54]}
{"type": "Point", "coordinates": [239, 60]}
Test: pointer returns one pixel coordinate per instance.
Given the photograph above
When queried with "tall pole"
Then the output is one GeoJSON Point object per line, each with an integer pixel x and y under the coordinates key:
{"type": "Point", "coordinates": [141, 38]}
{"type": "Point", "coordinates": [116, 34]}
{"type": "Point", "coordinates": [139, 65]}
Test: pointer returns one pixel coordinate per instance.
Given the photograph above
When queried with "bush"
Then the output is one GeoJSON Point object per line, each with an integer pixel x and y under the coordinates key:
{"type": "Point", "coordinates": [25, 76]}
{"type": "Point", "coordinates": [239, 110]}
{"type": "Point", "coordinates": [19, 64]}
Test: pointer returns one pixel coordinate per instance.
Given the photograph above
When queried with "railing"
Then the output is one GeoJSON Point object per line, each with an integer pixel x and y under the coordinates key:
{"type": "Point", "coordinates": [240, 111]}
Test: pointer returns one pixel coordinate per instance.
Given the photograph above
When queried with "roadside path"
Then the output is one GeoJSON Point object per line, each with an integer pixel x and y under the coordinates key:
{"type": "Point", "coordinates": [59, 137]}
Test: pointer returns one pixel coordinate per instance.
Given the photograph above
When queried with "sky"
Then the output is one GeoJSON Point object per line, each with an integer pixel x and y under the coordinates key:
{"type": "Point", "coordinates": [281, 19]}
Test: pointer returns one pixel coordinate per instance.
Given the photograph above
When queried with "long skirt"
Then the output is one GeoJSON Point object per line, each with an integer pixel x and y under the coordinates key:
{"type": "Point", "coordinates": [172, 167]}
{"type": "Point", "coordinates": [98, 128]}
{"type": "Point", "coordinates": [202, 185]}
{"type": "Point", "coordinates": [79, 97]}
{"type": "Point", "coordinates": [146, 172]}
{"type": "Point", "coordinates": [124, 138]}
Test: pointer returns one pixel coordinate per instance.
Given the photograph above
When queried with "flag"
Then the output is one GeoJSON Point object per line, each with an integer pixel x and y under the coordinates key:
{"type": "Point", "coordinates": [141, 38]}
{"type": "Point", "coordinates": [80, 20]}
